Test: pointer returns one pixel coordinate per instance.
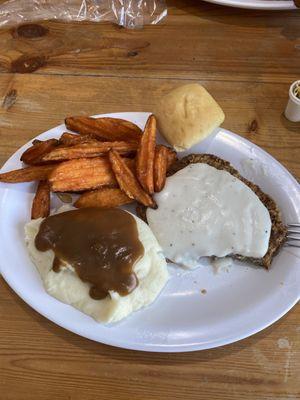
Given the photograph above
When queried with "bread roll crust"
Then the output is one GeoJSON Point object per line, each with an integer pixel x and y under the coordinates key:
{"type": "Point", "coordinates": [187, 115]}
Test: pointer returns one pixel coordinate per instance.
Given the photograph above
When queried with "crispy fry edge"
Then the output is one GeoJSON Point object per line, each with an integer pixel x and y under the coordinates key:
{"type": "Point", "coordinates": [41, 203]}
{"type": "Point", "coordinates": [145, 156]}
{"type": "Point", "coordinates": [125, 178]}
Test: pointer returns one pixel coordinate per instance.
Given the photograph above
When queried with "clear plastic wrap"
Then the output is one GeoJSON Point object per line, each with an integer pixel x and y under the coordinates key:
{"type": "Point", "coordinates": [127, 13]}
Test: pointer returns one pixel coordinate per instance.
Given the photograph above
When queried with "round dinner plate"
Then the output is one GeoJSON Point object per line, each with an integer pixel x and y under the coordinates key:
{"type": "Point", "coordinates": [197, 309]}
{"type": "Point", "coordinates": [257, 4]}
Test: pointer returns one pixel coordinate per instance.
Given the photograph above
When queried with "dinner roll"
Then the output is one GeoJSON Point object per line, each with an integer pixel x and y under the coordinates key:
{"type": "Point", "coordinates": [187, 115]}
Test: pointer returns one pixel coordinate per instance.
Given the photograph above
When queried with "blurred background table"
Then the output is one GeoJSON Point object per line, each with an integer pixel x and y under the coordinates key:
{"type": "Point", "coordinates": [247, 60]}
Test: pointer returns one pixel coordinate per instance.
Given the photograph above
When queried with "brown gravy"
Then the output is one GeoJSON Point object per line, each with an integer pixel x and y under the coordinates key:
{"type": "Point", "coordinates": [101, 245]}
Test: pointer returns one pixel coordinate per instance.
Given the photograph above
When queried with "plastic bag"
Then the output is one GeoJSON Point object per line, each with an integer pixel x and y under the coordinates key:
{"type": "Point", "coordinates": [127, 13]}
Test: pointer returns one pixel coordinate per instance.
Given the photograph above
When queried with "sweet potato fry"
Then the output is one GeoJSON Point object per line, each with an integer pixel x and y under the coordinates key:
{"type": "Point", "coordinates": [34, 173]}
{"type": "Point", "coordinates": [89, 150]}
{"type": "Point", "coordinates": [41, 202]}
{"type": "Point", "coordinates": [82, 174]}
{"type": "Point", "coordinates": [130, 164]}
{"type": "Point", "coordinates": [128, 182]}
{"type": "Point", "coordinates": [110, 129]}
{"type": "Point", "coordinates": [160, 167]}
{"type": "Point", "coordinates": [145, 156]}
{"type": "Point", "coordinates": [104, 198]}
{"type": "Point", "coordinates": [71, 139]}
{"type": "Point", "coordinates": [34, 154]}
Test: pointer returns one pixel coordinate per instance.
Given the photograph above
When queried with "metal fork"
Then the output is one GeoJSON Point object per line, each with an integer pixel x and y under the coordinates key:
{"type": "Point", "coordinates": [293, 235]}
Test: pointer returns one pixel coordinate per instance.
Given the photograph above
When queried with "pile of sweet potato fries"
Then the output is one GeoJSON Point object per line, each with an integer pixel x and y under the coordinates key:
{"type": "Point", "coordinates": [109, 161]}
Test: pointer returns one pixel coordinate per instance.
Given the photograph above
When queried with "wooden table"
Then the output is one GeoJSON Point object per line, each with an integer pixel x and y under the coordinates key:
{"type": "Point", "coordinates": [247, 60]}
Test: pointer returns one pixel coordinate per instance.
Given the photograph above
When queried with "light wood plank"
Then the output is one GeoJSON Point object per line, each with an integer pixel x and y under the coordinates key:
{"type": "Point", "coordinates": [247, 60]}
{"type": "Point", "coordinates": [35, 103]}
{"type": "Point", "coordinates": [197, 40]}
{"type": "Point", "coordinates": [40, 360]}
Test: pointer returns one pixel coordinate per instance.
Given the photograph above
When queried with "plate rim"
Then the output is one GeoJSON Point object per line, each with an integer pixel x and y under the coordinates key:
{"type": "Point", "coordinates": [253, 5]}
{"type": "Point", "coordinates": [164, 348]}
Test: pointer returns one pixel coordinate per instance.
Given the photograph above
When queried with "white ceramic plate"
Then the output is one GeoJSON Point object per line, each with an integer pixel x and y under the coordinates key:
{"type": "Point", "coordinates": [238, 303]}
{"type": "Point", "coordinates": [257, 4]}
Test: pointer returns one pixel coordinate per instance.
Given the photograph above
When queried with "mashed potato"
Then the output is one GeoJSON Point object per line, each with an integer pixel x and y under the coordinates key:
{"type": "Point", "coordinates": [67, 287]}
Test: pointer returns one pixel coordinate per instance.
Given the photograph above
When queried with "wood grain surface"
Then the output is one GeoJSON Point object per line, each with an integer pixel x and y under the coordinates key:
{"type": "Point", "coordinates": [247, 60]}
